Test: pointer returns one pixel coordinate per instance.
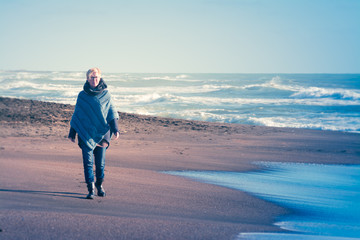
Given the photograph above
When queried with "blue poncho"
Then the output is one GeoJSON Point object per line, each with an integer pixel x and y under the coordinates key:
{"type": "Point", "coordinates": [92, 116]}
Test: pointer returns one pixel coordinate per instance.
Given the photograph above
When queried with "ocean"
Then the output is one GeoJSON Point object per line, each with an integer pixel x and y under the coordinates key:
{"type": "Point", "coordinates": [324, 199]}
{"type": "Point", "coordinates": [313, 101]}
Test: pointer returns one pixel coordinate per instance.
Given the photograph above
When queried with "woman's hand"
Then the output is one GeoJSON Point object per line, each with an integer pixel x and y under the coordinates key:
{"type": "Point", "coordinates": [117, 135]}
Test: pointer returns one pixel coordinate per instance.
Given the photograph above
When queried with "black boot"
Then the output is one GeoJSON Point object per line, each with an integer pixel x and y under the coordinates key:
{"type": "Point", "coordinates": [91, 189]}
{"type": "Point", "coordinates": [99, 187]}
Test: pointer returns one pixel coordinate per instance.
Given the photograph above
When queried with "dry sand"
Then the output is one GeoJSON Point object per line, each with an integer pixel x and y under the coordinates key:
{"type": "Point", "coordinates": [42, 191]}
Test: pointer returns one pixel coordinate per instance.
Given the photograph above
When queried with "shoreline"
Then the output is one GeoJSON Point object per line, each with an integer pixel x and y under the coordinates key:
{"type": "Point", "coordinates": [143, 203]}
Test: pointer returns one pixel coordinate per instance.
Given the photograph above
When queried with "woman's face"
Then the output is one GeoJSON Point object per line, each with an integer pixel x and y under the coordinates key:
{"type": "Point", "coordinates": [94, 79]}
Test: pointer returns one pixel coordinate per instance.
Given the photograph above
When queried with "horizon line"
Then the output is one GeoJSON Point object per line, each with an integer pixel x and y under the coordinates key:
{"type": "Point", "coordinates": [124, 72]}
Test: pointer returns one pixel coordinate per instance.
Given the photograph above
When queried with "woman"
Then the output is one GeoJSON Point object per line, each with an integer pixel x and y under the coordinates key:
{"type": "Point", "coordinates": [94, 120]}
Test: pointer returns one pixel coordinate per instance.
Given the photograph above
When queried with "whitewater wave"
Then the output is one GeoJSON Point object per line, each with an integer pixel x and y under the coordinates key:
{"type": "Point", "coordinates": [201, 114]}
{"type": "Point", "coordinates": [181, 77]}
{"type": "Point", "coordinates": [51, 76]}
{"type": "Point", "coordinates": [157, 97]}
{"type": "Point", "coordinates": [275, 83]}
{"type": "Point", "coordinates": [169, 89]}
{"type": "Point", "coordinates": [37, 86]}
{"type": "Point", "coordinates": [35, 90]}
{"type": "Point", "coordinates": [29, 75]}
{"type": "Point", "coordinates": [334, 123]}
{"type": "Point", "coordinates": [307, 92]}
{"type": "Point", "coordinates": [348, 124]}
{"type": "Point", "coordinates": [267, 101]}
{"type": "Point", "coordinates": [153, 98]}
{"type": "Point", "coordinates": [316, 92]}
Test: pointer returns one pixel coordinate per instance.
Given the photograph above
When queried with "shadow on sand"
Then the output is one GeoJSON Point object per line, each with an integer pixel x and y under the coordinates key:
{"type": "Point", "coordinates": [48, 193]}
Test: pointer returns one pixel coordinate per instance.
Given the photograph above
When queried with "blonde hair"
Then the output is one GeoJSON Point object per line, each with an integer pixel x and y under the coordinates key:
{"type": "Point", "coordinates": [91, 70]}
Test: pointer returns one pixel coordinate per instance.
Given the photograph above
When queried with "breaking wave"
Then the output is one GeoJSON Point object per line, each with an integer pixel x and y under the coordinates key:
{"type": "Point", "coordinates": [316, 92]}
{"type": "Point", "coordinates": [308, 92]}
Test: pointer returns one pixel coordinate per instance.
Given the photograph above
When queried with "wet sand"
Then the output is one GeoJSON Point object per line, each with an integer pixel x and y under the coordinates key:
{"type": "Point", "coordinates": [42, 191]}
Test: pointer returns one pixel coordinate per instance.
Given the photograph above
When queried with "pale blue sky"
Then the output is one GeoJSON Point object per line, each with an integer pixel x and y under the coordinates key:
{"type": "Point", "coordinates": [184, 36]}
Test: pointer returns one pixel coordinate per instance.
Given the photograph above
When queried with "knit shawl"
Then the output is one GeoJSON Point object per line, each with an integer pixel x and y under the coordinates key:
{"type": "Point", "coordinates": [92, 116]}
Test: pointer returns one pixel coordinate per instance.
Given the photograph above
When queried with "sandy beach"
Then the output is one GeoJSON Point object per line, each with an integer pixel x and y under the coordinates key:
{"type": "Point", "coordinates": [42, 191]}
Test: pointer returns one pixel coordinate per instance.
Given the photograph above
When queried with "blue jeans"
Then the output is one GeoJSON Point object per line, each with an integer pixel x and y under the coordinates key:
{"type": "Point", "coordinates": [88, 160]}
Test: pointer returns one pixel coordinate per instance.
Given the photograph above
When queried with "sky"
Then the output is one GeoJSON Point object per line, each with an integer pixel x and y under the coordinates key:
{"type": "Point", "coordinates": [181, 36]}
